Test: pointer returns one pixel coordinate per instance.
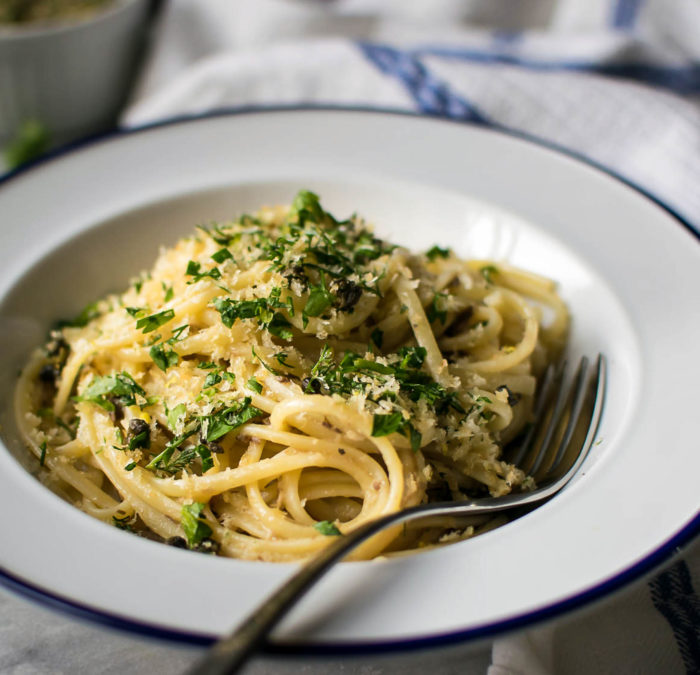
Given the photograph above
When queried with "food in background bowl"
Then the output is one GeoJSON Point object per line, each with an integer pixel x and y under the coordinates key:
{"type": "Point", "coordinates": [25, 11]}
{"type": "Point", "coordinates": [283, 378]}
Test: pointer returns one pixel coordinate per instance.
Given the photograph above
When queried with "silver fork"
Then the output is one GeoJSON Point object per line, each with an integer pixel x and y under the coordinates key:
{"type": "Point", "coordinates": [566, 420]}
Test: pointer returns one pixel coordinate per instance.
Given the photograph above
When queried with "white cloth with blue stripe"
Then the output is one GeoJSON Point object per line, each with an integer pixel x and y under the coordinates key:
{"type": "Point", "coordinates": [617, 81]}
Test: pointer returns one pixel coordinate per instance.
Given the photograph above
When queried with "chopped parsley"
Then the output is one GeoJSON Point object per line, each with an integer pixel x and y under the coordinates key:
{"type": "Point", "coordinates": [319, 300]}
{"type": "Point", "coordinates": [193, 524]}
{"type": "Point", "coordinates": [164, 358]}
{"type": "Point", "coordinates": [436, 252]}
{"type": "Point", "coordinates": [222, 255]}
{"type": "Point", "coordinates": [231, 417]}
{"type": "Point", "coordinates": [487, 272]}
{"type": "Point", "coordinates": [395, 422]}
{"type": "Point", "coordinates": [194, 269]}
{"type": "Point", "coordinates": [173, 415]}
{"type": "Point", "coordinates": [140, 440]}
{"type": "Point", "coordinates": [260, 309]}
{"type": "Point", "coordinates": [110, 390]}
{"type": "Point", "coordinates": [436, 310]}
{"type": "Point", "coordinates": [327, 528]}
{"type": "Point", "coordinates": [255, 385]}
{"type": "Point", "coordinates": [281, 358]}
{"type": "Point", "coordinates": [148, 324]}
{"type": "Point", "coordinates": [163, 460]}
{"type": "Point", "coordinates": [136, 312]}
{"type": "Point", "coordinates": [389, 423]}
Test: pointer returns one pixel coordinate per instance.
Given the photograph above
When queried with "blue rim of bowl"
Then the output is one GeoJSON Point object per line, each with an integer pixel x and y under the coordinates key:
{"type": "Point", "coordinates": [663, 554]}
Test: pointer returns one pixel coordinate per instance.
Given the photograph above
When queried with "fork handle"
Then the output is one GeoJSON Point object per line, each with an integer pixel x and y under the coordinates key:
{"type": "Point", "coordinates": [232, 652]}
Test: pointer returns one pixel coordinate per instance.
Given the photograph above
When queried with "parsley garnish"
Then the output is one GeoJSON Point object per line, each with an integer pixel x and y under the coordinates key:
{"type": "Point", "coordinates": [108, 390]}
{"type": "Point", "coordinates": [437, 252]}
{"type": "Point", "coordinates": [255, 385]}
{"type": "Point", "coordinates": [261, 309]}
{"type": "Point", "coordinates": [140, 440]}
{"type": "Point", "coordinates": [218, 424]}
{"type": "Point", "coordinates": [319, 300]}
{"type": "Point", "coordinates": [42, 458]}
{"type": "Point", "coordinates": [327, 528]}
{"type": "Point", "coordinates": [163, 358]}
{"type": "Point", "coordinates": [162, 460]}
{"type": "Point", "coordinates": [436, 309]}
{"type": "Point", "coordinates": [282, 359]}
{"type": "Point", "coordinates": [212, 378]}
{"type": "Point", "coordinates": [221, 255]}
{"type": "Point", "coordinates": [194, 269]}
{"type": "Point", "coordinates": [389, 423]}
{"type": "Point", "coordinates": [150, 323]}
{"type": "Point", "coordinates": [487, 272]}
{"type": "Point", "coordinates": [169, 292]}
{"type": "Point", "coordinates": [267, 366]}
{"type": "Point", "coordinates": [174, 414]}
{"type": "Point", "coordinates": [193, 524]}
{"type": "Point", "coordinates": [205, 455]}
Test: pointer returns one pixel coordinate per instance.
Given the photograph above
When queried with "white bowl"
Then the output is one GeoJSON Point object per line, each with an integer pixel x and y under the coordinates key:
{"type": "Point", "coordinates": [70, 76]}
{"type": "Point", "coordinates": [84, 222]}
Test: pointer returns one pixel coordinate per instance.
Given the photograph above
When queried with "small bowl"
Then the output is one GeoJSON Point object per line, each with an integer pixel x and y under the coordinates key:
{"type": "Point", "coordinates": [72, 77]}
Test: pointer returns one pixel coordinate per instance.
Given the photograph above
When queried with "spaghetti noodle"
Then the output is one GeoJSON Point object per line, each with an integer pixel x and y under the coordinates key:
{"type": "Point", "coordinates": [280, 379]}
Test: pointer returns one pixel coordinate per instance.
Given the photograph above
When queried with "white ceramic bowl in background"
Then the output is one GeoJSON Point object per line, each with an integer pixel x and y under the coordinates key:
{"type": "Point", "coordinates": [71, 76]}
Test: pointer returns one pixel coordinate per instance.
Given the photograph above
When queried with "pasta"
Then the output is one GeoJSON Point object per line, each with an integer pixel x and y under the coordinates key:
{"type": "Point", "coordinates": [278, 380]}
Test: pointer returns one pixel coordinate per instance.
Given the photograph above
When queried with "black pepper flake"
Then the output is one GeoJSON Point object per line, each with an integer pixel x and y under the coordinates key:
{"type": "Point", "coordinates": [48, 373]}
{"type": "Point", "coordinates": [347, 292]}
{"type": "Point", "coordinates": [311, 384]}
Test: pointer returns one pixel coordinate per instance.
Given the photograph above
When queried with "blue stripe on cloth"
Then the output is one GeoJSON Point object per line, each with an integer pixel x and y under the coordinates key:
{"type": "Point", "coordinates": [624, 14]}
{"type": "Point", "coordinates": [673, 595]}
{"type": "Point", "coordinates": [683, 80]}
{"type": "Point", "coordinates": [432, 96]}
